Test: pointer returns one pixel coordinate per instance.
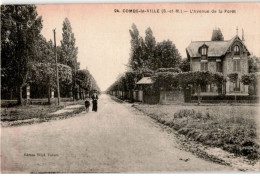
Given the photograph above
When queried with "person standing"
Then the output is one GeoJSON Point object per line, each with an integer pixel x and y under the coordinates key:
{"type": "Point", "coordinates": [94, 101]}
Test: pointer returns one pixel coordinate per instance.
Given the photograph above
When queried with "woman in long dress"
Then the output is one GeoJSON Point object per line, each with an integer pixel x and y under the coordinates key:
{"type": "Point", "coordinates": [94, 101]}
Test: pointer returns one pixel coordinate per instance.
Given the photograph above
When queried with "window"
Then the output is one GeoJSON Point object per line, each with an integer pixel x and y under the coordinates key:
{"type": "Point", "coordinates": [204, 51]}
{"type": "Point", "coordinates": [236, 66]}
{"type": "Point", "coordinates": [204, 66]}
{"type": "Point", "coordinates": [219, 67]}
{"type": "Point", "coordinates": [236, 50]}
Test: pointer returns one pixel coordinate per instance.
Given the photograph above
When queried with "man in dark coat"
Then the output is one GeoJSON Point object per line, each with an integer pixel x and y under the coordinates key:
{"type": "Point", "coordinates": [94, 101]}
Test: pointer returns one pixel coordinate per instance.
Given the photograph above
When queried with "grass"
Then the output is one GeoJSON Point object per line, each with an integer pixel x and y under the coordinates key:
{"type": "Point", "coordinates": [232, 128]}
{"type": "Point", "coordinates": [32, 111]}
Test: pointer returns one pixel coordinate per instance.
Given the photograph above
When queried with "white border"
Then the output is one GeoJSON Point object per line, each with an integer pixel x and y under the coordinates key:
{"type": "Point", "coordinates": [113, 1]}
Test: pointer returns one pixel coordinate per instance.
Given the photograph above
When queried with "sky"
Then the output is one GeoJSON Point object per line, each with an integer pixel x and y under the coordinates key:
{"type": "Point", "coordinates": [103, 39]}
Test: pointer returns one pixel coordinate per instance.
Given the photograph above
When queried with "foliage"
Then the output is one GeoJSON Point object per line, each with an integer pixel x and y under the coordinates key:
{"type": "Point", "coordinates": [166, 55]}
{"type": "Point", "coordinates": [217, 35]}
{"type": "Point", "coordinates": [147, 54]}
{"type": "Point", "coordinates": [149, 48]}
{"type": "Point", "coordinates": [175, 70]}
{"type": "Point", "coordinates": [231, 128]}
{"type": "Point", "coordinates": [130, 80]}
{"type": "Point", "coordinates": [28, 58]}
{"type": "Point", "coordinates": [135, 61]}
{"type": "Point", "coordinates": [20, 28]}
{"type": "Point", "coordinates": [172, 80]}
{"type": "Point", "coordinates": [165, 80]}
{"type": "Point", "coordinates": [183, 79]}
{"type": "Point", "coordinates": [185, 65]}
{"type": "Point", "coordinates": [249, 79]}
{"type": "Point", "coordinates": [218, 79]}
{"type": "Point", "coordinates": [68, 47]}
{"type": "Point", "coordinates": [44, 50]}
{"type": "Point", "coordinates": [83, 78]}
{"type": "Point", "coordinates": [233, 77]}
{"type": "Point", "coordinates": [252, 64]}
{"type": "Point", "coordinates": [45, 74]}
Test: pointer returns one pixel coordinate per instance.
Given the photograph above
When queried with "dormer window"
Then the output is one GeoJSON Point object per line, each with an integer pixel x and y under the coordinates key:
{"type": "Point", "coordinates": [236, 50]}
{"type": "Point", "coordinates": [203, 51]}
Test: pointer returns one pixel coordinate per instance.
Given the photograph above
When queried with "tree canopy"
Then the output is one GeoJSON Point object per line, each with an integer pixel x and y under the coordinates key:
{"type": "Point", "coordinates": [20, 30]}
{"type": "Point", "coordinates": [217, 35]}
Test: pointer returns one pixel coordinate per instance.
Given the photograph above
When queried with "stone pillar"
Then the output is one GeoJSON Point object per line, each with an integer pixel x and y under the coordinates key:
{"type": "Point", "coordinates": [246, 88]}
{"type": "Point", "coordinates": [28, 92]}
{"type": "Point", "coordinates": [227, 87]}
{"type": "Point", "coordinates": [208, 88]}
{"type": "Point", "coordinates": [52, 93]}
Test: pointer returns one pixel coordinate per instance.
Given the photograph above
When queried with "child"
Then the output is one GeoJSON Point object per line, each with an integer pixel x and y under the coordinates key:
{"type": "Point", "coordinates": [87, 104]}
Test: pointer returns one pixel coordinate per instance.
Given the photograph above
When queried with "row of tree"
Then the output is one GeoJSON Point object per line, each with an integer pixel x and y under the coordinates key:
{"type": "Point", "coordinates": [146, 53]}
{"type": "Point", "coordinates": [147, 57]}
{"type": "Point", "coordinates": [29, 59]}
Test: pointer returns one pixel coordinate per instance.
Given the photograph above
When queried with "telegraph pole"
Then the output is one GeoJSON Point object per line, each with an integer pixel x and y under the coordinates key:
{"type": "Point", "coordinates": [57, 72]}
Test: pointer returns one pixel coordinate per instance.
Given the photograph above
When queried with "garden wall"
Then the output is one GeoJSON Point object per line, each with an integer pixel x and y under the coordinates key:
{"type": "Point", "coordinates": [168, 97]}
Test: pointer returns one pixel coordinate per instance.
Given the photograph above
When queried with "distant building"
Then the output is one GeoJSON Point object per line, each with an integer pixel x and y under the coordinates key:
{"type": "Point", "coordinates": [227, 57]}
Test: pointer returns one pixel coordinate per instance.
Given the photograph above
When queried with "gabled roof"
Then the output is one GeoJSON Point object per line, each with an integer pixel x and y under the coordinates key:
{"type": "Point", "coordinates": [145, 80]}
{"type": "Point", "coordinates": [215, 48]}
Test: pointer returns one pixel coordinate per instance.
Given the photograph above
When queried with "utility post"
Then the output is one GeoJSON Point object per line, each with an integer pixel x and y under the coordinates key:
{"type": "Point", "coordinates": [57, 72]}
{"type": "Point", "coordinates": [76, 89]}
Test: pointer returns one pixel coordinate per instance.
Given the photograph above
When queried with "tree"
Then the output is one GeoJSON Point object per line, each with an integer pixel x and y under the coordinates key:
{"type": "Point", "coordinates": [149, 50]}
{"type": "Point", "coordinates": [20, 30]}
{"type": "Point", "coordinates": [233, 77]}
{"type": "Point", "coordinates": [44, 74]}
{"type": "Point", "coordinates": [252, 63]}
{"type": "Point", "coordinates": [250, 79]}
{"type": "Point", "coordinates": [69, 51]}
{"type": "Point", "coordinates": [217, 35]}
{"type": "Point", "coordinates": [166, 55]}
{"type": "Point", "coordinates": [136, 53]}
{"type": "Point", "coordinates": [185, 65]}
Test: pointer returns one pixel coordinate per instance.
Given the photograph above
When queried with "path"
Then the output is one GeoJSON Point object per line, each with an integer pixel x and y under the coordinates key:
{"type": "Point", "coordinates": [115, 139]}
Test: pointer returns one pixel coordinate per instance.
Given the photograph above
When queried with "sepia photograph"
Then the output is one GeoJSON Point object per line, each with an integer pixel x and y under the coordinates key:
{"type": "Point", "coordinates": [130, 88]}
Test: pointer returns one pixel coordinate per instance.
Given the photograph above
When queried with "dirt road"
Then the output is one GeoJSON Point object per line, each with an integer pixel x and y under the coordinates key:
{"type": "Point", "coordinates": [115, 139]}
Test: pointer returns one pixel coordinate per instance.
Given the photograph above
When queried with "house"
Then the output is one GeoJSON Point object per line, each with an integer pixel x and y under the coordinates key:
{"type": "Point", "coordinates": [146, 93]}
{"type": "Point", "coordinates": [230, 56]}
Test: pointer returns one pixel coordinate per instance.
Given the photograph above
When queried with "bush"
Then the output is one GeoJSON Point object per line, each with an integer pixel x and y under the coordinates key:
{"type": "Point", "coordinates": [232, 129]}
{"type": "Point", "coordinates": [233, 77]}
{"type": "Point", "coordinates": [175, 70]}
{"type": "Point", "coordinates": [184, 113]}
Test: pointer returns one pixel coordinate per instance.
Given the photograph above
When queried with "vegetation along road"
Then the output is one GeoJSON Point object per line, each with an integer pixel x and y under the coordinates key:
{"type": "Point", "coordinates": [117, 138]}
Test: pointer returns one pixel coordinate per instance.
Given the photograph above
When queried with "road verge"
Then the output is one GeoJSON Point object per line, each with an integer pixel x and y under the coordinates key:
{"type": "Point", "coordinates": [188, 143]}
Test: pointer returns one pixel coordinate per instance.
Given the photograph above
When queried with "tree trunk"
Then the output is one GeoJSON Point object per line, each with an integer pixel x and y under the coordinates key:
{"type": "Point", "coordinates": [199, 95]}
{"type": "Point", "coordinates": [20, 96]}
{"type": "Point", "coordinates": [49, 94]}
{"type": "Point", "coordinates": [11, 93]}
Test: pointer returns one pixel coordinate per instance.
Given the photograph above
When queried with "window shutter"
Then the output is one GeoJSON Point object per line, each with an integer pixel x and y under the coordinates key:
{"type": "Point", "coordinates": [206, 66]}
{"type": "Point", "coordinates": [234, 66]}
